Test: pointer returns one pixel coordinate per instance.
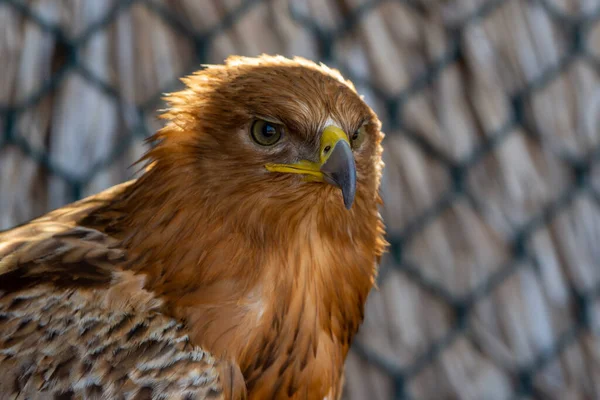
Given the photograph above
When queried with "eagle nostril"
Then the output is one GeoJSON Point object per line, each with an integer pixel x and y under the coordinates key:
{"type": "Point", "coordinates": [326, 149]}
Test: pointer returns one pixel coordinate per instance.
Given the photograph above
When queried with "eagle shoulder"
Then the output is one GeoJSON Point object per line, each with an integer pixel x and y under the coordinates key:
{"type": "Point", "coordinates": [76, 323]}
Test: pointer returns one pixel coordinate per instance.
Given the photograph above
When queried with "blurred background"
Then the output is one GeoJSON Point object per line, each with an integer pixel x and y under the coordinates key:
{"type": "Point", "coordinates": [491, 188]}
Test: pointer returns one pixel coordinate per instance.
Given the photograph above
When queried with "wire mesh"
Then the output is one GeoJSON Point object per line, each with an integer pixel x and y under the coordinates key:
{"type": "Point", "coordinates": [575, 28]}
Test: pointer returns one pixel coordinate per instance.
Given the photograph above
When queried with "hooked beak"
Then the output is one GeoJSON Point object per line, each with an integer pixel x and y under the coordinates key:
{"type": "Point", "coordinates": [336, 165]}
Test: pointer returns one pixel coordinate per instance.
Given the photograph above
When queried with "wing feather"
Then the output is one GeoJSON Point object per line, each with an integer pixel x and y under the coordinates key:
{"type": "Point", "coordinates": [74, 323]}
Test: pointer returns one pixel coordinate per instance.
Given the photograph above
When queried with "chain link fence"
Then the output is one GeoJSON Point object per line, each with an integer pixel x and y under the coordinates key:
{"type": "Point", "coordinates": [393, 109]}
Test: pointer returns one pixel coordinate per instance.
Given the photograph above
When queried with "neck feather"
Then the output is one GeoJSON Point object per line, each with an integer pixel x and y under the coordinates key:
{"type": "Point", "coordinates": [280, 290]}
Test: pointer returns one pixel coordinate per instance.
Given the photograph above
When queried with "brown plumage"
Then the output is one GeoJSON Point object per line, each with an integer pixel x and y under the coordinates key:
{"type": "Point", "coordinates": [216, 274]}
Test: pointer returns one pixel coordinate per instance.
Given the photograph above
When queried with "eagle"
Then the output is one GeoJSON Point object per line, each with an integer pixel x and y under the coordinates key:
{"type": "Point", "coordinates": [235, 266]}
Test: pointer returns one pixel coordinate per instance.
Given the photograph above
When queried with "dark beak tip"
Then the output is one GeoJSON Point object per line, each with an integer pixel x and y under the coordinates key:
{"type": "Point", "coordinates": [348, 203]}
{"type": "Point", "coordinates": [348, 195]}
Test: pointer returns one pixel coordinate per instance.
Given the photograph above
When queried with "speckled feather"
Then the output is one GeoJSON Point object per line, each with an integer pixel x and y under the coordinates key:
{"type": "Point", "coordinates": [216, 278]}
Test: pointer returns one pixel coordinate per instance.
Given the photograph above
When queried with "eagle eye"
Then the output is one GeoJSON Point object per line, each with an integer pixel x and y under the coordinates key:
{"type": "Point", "coordinates": [266, 133]}
{"type": "Point", "coordinates": [358, 137]}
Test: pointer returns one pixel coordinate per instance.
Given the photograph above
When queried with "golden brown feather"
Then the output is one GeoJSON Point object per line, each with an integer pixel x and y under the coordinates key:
{"type": "Point", "coordinates": [264, 273]}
